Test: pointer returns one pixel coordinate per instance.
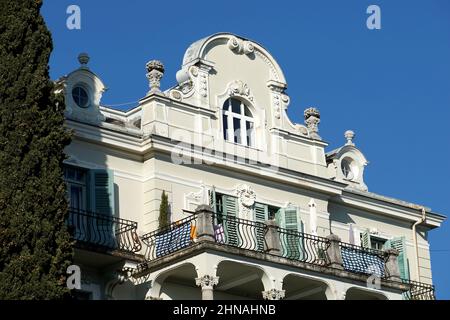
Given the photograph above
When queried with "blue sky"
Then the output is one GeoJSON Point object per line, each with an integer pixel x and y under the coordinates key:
{"type": "Point", "coordinates": [391, 86]}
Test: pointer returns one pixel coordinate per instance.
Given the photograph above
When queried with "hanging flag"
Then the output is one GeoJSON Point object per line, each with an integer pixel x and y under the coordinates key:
{"type": "Point", "coordinates": [362, 262]}
{"type": "Point", "coordinates": [219, 233]}
{"type": "Point", "coordinates": [173, 240]}
{"type": "Point", "coordinates": [193, 232]}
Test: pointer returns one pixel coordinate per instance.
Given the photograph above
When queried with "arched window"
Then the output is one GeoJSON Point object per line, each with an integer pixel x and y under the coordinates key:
{"type": "Point", "coordinates": [238, 123]}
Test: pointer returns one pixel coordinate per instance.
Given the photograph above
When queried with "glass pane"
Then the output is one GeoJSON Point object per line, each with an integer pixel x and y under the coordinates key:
{"type": "Point", "coordinates": [76, 197]}
{"type": "Point", "coordinates": [79, 175]}
{"type": "Point", "coordinates": [227, 105]}
{"type": "Point", "coordinates": [346, 169]}
{"type": "Point", "coordinates": [80, 96]}
{"type": "Point", "coordinates": [237, 130]}
{"type": "Point", "coordinates": [70, 174]}
{"type": "Point", "coordinates": [225, 126]}
{"type": "Point", "coordinates": [235, 106]}
{"type": "Point", "coordinates": [249, 127]}
{"type": "Point", "coordinates": [247, 112]}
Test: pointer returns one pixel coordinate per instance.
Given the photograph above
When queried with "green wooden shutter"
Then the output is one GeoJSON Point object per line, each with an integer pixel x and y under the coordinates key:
{"type": "Point", "coordinates": [102, 203]}
{"type": "Point", "coordinates": [212, 199]}
{"type": "Point", "coordinates": [365, 239]}
{"type": "Point", "coordinates": [230, 208]}
{"type": "Point", "coordinates": [102, 191]}
{"type": "Point", "coordinates": [279, 216]}
{"type": "Point", "coordinates": [293, 244]}
{"type": "Point", "coordinates": [261, 215]}
{"type": "Point", "coordinates": [400, 245]}
{"type": "Point", "coordinates": [301, 245]}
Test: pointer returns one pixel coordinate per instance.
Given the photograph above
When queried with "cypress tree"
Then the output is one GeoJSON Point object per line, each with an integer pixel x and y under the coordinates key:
{"type": "Point", "coordinates": [35, 246]}
{"type": "Point", "coordinates": [163, 219]}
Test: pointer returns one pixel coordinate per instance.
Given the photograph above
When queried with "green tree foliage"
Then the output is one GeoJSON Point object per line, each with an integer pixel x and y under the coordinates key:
{"type": "Point", "coordinates": [35, 246]}
{"type": "Point", "coordinates": [164, 211]}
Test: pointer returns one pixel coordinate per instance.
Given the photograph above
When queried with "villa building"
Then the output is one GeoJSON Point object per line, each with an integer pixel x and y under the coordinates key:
{"type": "Point", "coordinates": [259, 208]}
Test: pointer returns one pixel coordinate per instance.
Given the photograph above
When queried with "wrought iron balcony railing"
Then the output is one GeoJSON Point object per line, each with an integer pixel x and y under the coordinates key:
{"type": "Point", "coordinates": [176, 236]}
{"type": "Point", "coordinates": [236, 232]}
{"type": "Point", "coordinates": [251, 235]}
{"type": "Point", "coordinates": [419, 291]}
{"type": "Point", "coordinates": [304, 247]}
{"type": "Point", "coordinates": [103, 231]}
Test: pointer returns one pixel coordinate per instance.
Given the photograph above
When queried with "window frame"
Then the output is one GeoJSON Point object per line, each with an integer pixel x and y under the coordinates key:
{"type": "Point", "coordinates": [87, 90]}
{"type": "Point", "coordinates": [378, 240]}
{"type": "Point", "coordinates": [77, 183]}
{"type": "Point", "coordinates": [244, 137]}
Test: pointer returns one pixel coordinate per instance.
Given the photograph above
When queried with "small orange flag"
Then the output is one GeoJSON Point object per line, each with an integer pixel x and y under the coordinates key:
{"type": "Point", "coordinates": [193, 232]}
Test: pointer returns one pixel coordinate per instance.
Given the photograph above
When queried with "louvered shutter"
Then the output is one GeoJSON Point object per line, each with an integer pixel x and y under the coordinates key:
{"type": "Point", "coordinates": [365, 239]}
{"type": "Point", "coordinates": [292, 243]}
{"type": "Point", "coordinates": [261, 215]}
{"type": "Point", "coordinates": [400, 245]}
{"type": "Point", "coordinates": [102, 204]}
{"type": "Point", "coordinates": [212, 199]}
{"type": "Point", "coordinates": [230, 210]}
{"type": "Point", "coordinates": [102, 191]}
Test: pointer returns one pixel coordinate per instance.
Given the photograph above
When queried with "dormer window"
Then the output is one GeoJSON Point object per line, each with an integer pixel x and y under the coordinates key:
{"type": "Point", "coordinates": [80, 96]}
{"type": "Point", "coordinates": [238, 123]}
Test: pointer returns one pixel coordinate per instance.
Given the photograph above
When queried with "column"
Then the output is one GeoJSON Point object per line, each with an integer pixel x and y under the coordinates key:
{"type": "Point", "coordinates": [207, 284]}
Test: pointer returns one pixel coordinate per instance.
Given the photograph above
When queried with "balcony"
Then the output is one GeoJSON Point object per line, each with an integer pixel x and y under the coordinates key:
{"type": "Point", "coordinates": [266, 241]}
{"type": "Point", "coordinates": [98, 232]}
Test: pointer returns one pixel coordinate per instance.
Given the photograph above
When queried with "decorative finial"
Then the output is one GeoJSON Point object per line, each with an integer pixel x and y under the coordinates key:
{"type": "Point", "coordinates": [349, 135]}
{"type": "Point", "coordinates": [312, 120]}
{"type": "Point", "coordinates": [155, 72]}
{"type": "Point", "coordinates": [83, 59]}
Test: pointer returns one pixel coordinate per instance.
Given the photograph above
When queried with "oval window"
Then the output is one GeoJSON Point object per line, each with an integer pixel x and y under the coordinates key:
{"type": "Point", "coordinates": [80, 96]}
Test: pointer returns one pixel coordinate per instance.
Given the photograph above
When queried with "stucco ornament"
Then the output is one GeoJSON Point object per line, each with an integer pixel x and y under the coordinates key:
{"type": "Point", "coordinates": [83, 59]}
{"type": "Point", "coordinates": [239, 88]}
{"type": "Point", "coordinates": [349, 135]}
{"type": "Point", "coordinates": [273, 294]}
{"type": "Point", "coordinates": [312, 120]}
{"type": "Point", "coordinates": [233, 43]}
{"type": "Point", "coordinates": [155, 72]}
{"type": "Point", "coordinates": [248, 47]}
{"type": "Point", "coordinates": [246, 200]}
{"type": "Point", "coordinates": [246, 195]}
{"type": "Point", "coordinates": [207, 281]}
{"type": "Point", "coordinates": [240, 46]}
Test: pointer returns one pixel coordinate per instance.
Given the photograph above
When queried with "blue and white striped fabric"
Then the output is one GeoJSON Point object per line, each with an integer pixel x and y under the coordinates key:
{"type": "Point", "coordinates": [219, 233]}
{"type": "Point", "coordinates": [173, 240]}
{"type": "Point", "coordinates": [362, 262]}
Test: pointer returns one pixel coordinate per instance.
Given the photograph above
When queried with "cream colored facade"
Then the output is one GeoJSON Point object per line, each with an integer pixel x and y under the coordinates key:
{"type": "Point", "coordinates": [174, 141]}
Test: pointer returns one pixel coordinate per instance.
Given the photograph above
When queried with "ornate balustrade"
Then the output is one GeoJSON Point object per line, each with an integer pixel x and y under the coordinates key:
{"type": "Point", "coordinates": [239, 233]}
{"type": "Point", "coordinates": [286, 243]}
{"type": "Point", "coordinates": [174, 237]}
{"type": "Point", "coordinates": [103, 231]}
{"type": "Point", "coordinates": [419, 291]}
{"type": "Point", "coordinates": [303, 247]}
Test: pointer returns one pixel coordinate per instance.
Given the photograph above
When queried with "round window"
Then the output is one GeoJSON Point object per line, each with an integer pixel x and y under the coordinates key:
{"type": "Point", "coordinates": [80, 96]}
{"type": "Point", "coordinates": [349, 169]}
